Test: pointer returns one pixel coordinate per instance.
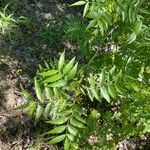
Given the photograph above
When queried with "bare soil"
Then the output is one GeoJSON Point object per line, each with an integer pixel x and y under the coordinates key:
{"type": "Point", "coordinates": [19, 58]}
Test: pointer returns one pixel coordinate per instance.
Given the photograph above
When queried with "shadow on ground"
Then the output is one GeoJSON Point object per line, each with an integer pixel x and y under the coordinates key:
{"type": "Point", "coordinates": [39, 38]}
{"type": "Point", "coordinates": [21, 54]}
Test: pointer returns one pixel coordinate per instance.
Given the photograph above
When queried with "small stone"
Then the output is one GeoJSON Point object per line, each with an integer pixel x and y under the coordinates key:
{"type": "Point", "coordinates": [47, 16]}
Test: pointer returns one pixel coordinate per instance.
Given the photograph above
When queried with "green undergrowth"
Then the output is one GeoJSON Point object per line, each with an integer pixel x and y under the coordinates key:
{"type": "Point", "coordinates": [96, 94]}
{"type": "Point", "coordinates": [64, 97]}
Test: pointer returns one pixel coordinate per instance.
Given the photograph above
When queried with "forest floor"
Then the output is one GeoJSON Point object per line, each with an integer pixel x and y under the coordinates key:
{"type": "Point", "coordinates": [19, 58]}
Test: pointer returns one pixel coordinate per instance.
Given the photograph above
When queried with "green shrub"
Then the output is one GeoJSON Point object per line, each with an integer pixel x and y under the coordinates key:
{"type": "Point", "coordinates": [107, 99]}
{"type": "Point", "coordinates": [8, 24]}
{"type": "Point", "coordinates": [119, 28]}
{"type": "Point", "coordinates": [62, 97]}
{"type": "Point", "coordinates": [52, 34]}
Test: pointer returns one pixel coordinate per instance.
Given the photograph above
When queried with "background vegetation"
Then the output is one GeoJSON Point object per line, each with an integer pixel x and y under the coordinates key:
{"type": "Point", "coordinates": [79, 72]}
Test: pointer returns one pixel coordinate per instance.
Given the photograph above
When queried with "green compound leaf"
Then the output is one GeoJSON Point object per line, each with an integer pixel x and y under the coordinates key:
{"type": "Point", "coordinates": [79, 3]}
{"type": "Point", "coordinates": [94, 93]}
{"type": "Point", "coordinates": [131, 38]}
{"type": "Point", "coordinates": [61, 61]}
{"type": "Point", "coordinates": [38, 90]}
{"type": "Point", "coordinates": [71, 74]}
{"type": "Point", "coordinates": [118, 89]}
{"type": "Point", "coordinates": [38, 114]}
{"type": "Point", "coordinates": [101, 25]}
{"type": "Point", "coordinates": [76, 123]}
{"type": "Point", "coordinates": [105, 94]}
{"type": "Point", "coordinates": [72, 130]}
{"type": "Point", "coordinates": [91, 80]}
{"type": "Point", "coordinates": [123, 16]}
{"type": "Point", "coordinates": [102, 77]}
{"type": "Point", "coordinates": [86, 8]}
{"type": "Point", "coordinates": [66, 144]}
{"type": "Point", "coordinates": [48, 73]}
{"type": "Point", "coordinates": [26, 94]}
{"type": "Point", "coordinates": [23, 106]}
{"type": "Point", "coordinates": [59, 120]}
{"type": "Point", "coordinates": [112, 91]}
{"type": "Point", "coordinates": [56, 92]}
{"type": "Point", "coordinates": [112, 70]}
{"type": "Point", "coordinates": [57, 139]}
{"type": "Point", "coordinates": [47, 110]}
{"type": "Point", "coordinates": [31, 108]}
{"type": "Point", "coordinates": [47, 65]}
{"type": "Point", "coordinates": [49, 93]}
{"type": "Point", "coordinates": [64, 112]}
{"type": "Point", "coordinates": [58, 129]}
{"type": "Point", "coordinates": [78, 117]}
{"type": "Point", "coordinates": [53, 78]}
{"type": "Point", "coordinates": [92, 24]}
{"type": "Point", "coordinates": [70, 137]}
{"type": "Point", "coordinates": [90, 94]}
{"type": "Point", "coordinates": [118, 77]}
{"type": "Point", "coordinates": [59, 83]}
{"type": "Point", "coordinates": [68, 67]}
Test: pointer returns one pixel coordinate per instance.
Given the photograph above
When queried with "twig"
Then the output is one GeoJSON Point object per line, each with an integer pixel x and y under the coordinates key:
{"type": "Point", "coordinates": [93, 57]}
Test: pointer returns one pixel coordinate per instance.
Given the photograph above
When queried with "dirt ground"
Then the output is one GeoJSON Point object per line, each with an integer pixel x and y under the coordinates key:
{"type": "Point", "coordinates": [19, 59]}
{"type": "Point", "coordinates": [18, 63]}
